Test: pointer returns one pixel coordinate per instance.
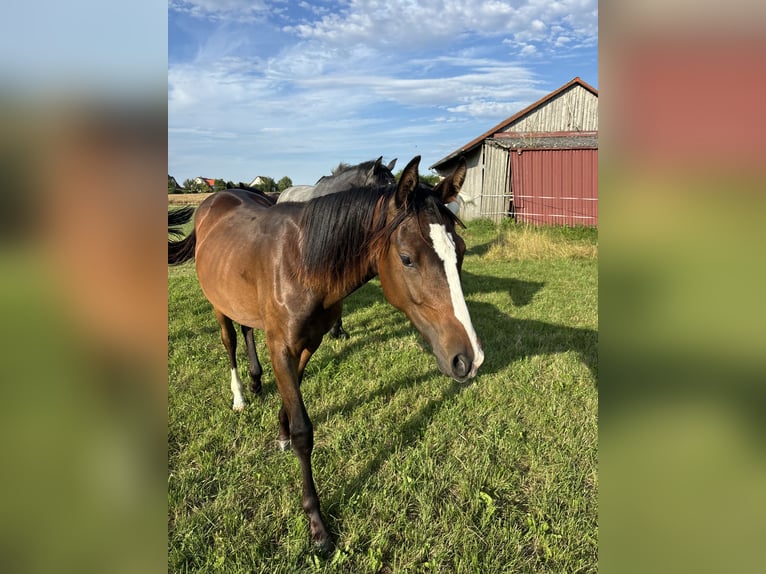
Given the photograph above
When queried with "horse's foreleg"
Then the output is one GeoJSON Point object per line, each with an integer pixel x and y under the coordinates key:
{"type": "Point", "coordinates": [286, 370]}
{"type": "Point", "coordinates": [337, 331]}
{"type": "Point", "coordinates": [283, 438]}
{"type": "Point", "coordinates": [229, 339]}
{"type": "Point", "coordinates": [302, 440]}
{"type": "Point", "coordinates": [255, 365]}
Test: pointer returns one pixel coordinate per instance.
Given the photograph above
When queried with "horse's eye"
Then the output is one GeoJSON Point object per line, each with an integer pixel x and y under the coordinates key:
{"type": "Point", "coordinates": [406, 261]}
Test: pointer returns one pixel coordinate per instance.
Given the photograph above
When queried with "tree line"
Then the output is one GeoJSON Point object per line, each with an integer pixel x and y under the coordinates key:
{"type": "Point", "coordinates": [266, 185]}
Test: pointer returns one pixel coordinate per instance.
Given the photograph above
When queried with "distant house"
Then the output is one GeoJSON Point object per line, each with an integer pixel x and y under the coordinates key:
{"type": "Point", "coordinates": [172, 183]}
{"type": "Point", "coordinates": [538, 166]}
{"type": "Point", "coordinates": [209, 182]}
{"type": "Point", "coordinates": [259, 179]}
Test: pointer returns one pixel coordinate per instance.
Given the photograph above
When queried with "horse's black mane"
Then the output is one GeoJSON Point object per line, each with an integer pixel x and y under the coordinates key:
{"type": "Point", "coordinates": [341, 234]}
{"type": "Point", "coordinates": [360, 170]}
{"type": "Point", "coordinates": [343, 167]}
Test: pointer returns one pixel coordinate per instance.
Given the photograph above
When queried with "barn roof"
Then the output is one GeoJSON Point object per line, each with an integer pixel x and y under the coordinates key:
{"type": "Point", "coordinates": [507, 122]}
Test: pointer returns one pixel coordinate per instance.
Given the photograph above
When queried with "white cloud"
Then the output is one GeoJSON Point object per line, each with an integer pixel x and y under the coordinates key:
{"type": "Point", "coordinates": [314, 8]}
{"type": "Point", "coordinates": [357, 115]}
{"type": "Point", "coordinates": [244, 10]}
{"type": "Point", "coordinates": [404, 25]}
{"type": "Point", "coordinates": [372, 79]}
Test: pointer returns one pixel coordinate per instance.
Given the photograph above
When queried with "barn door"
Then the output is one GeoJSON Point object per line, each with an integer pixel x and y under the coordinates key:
{"type": "Point", "coordinates": [555, 186]}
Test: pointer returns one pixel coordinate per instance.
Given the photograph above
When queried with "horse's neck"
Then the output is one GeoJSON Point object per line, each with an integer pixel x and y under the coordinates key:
{"type": "Point", "coordinates": [335, 183]}
{"type": "Point", "coordinates": [334, 295]}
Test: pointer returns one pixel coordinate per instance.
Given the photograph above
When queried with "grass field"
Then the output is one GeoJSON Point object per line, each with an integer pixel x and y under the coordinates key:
{"type": "Point", "coordinates": [415, 472]}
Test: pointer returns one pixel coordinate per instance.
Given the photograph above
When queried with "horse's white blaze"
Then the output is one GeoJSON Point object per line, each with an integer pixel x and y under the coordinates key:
{"type": "Point", "coordinates": [445, 249]}
{"type": "Point", "coordinates": [237, 389]}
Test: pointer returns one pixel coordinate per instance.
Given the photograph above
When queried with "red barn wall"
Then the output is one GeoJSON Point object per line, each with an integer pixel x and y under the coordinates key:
{"type": "Point", "coordinates": [555, 186]}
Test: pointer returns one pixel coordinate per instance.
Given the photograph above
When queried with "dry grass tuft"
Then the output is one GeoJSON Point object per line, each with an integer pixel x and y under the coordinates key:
{"type": "Point", "coordinates": [534, 243]}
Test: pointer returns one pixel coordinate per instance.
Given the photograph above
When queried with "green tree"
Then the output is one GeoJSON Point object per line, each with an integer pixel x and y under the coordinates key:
{"type": "Point", "coordinates": [429, 179]}
{"type": "Point", "coordinates": [219, 185]}
{"type": "Point", "coordinates": [173, 186]}
{"type": "Point", "coordinates": [193, 186]}
{"type": "Point", "coordinates": [284, 183]}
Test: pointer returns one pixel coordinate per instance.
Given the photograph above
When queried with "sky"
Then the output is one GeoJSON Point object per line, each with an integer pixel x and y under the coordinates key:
{"type": "Point", "coordinates": [284, 88]}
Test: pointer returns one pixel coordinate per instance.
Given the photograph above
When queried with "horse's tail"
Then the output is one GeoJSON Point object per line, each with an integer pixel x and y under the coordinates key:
{"type": "Point", "coordinates": [181, 250]}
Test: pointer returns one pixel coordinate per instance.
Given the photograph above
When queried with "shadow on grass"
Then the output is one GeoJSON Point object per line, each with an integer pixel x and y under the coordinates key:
{"type": "Point", "coordinates": [414, 426]}
{"type": "Point", "coordinates": [520, 292]}
{"type": "Point", "coordinates": [505, 341]}
{"type": "Point", "coordinates": [481, 248]}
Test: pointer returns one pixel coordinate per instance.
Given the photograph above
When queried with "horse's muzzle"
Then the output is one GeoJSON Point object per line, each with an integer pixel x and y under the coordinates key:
{"type": "Point", "coordinates": [464, 368]}
{"type": "Point", "coordinates": [461, 366]}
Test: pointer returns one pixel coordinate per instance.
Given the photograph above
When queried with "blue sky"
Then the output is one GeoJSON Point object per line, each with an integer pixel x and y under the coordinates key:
{"type": "Point", "coordinates": [281, 88]}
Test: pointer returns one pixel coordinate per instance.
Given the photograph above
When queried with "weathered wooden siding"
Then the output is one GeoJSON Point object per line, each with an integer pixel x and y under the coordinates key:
{"type": "Point", "coordinates": [470, 193]}
{"type": "Point", "coordinates": [575, 109]}
{"type": "Point", "coordinates": [495, 198]}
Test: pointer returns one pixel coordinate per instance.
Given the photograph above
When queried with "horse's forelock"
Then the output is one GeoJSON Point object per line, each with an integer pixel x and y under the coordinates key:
{"type": "Point", "coordinates": [425, 208]}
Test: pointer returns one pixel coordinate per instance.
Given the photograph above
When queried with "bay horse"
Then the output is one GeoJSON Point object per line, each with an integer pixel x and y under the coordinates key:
{"type": "Point", "coordinates": [343, 178]}
{"type": "Point", "coordinates": [285, 269]}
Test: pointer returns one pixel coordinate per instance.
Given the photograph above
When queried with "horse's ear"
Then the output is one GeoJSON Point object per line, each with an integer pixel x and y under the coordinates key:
{"type": "Point", "coordinates": [408, 182]}
{"type": "Point", "coordinates": [448, 188]}
{"type": "Point", "coordinates": [374, 168]}
{"type": "Point", "coordinates": [391, 164]}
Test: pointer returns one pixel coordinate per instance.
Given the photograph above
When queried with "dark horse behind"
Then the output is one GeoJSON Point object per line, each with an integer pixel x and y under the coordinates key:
{"type": "Point", "coordinates": [343, 177]}
{"type": "Point", "coordinates": [285, 269]}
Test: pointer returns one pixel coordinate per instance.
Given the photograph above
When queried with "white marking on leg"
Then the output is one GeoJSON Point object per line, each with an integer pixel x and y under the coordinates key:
{"type": "Point", "coordinates": [237, 390]}
{"type": "Point", "coordinates": [445, 249]}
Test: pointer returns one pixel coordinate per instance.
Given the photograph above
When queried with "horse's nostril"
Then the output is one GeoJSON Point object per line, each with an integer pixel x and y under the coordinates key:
{"type": "Point", "coordinates": [461, 365]}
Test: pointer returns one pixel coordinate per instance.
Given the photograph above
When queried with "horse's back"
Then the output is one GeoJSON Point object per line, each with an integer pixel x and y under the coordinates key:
{"type": "Point", "coordinates": [296, 193]}
{"type": "Point", "coordinates": [229, 203]}
{"type": "Point", "coordinates": [240, 240]}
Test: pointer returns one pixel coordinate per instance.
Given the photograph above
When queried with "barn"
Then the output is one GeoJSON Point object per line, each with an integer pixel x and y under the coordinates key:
{"type": "Point", "coordinates": [539, 166]}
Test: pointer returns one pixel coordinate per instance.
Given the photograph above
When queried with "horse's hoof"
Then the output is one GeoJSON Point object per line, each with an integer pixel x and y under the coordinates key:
{"type": "Point", "coordinates": [256, 388]}
{"type": "Point", "coordinates": [238, 407]}
{"type": "Point", "coordinates": [283, 444]}
{"type": "Point", "coordinates": [338, 333]}
{"type": "Point", "coordinates": [324, 548]}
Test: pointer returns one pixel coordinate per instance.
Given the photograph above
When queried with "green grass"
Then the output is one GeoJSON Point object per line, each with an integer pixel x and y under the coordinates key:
{"type": "Point", "coordinates": [416, 473]}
